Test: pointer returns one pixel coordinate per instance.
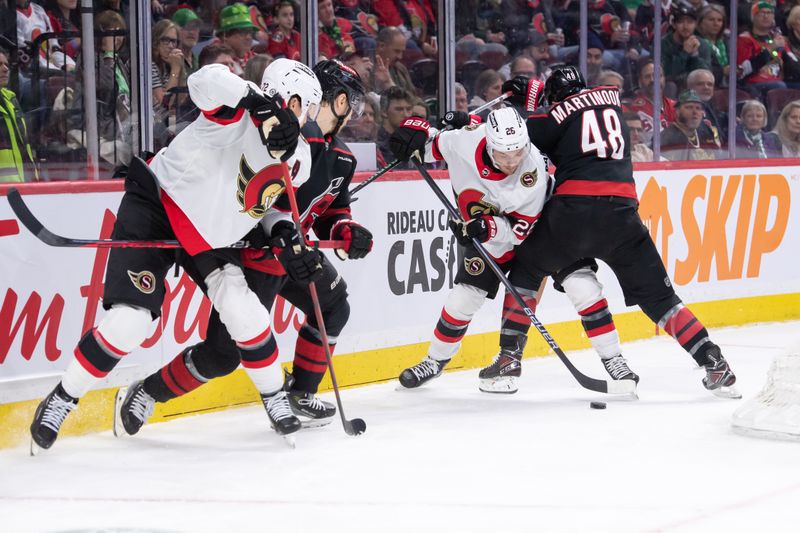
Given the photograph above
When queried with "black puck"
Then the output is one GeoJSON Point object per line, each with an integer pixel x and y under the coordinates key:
{"type": "Point", "coordinates": [597, 405]}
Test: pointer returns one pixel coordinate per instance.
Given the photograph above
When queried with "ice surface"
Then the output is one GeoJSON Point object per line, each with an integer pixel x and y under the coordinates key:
{"type": "Point", "coordinates": [444, 458]}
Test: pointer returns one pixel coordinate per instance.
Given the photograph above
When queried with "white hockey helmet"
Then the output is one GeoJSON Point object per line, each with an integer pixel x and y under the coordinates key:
{"type": "Point", "coordinates": [506, 132]}
{"type": "Point", "coordinates": [291, 78]}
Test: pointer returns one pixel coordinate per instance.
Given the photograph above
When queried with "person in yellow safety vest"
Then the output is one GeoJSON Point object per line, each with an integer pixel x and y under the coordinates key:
{"type": "Point", "coordinates": [16, 156]}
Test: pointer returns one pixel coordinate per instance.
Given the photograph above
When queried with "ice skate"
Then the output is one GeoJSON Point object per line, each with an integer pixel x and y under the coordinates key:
{"type": "Point", "coordinates": [132, 408]}
{"type": "Point", "coordinates": [719, 379]}
{"type": "Point", "coordinates": [422, 372]}
{"type": "Point", "coordinates": [617, 368]}
{"type": "Point", "coordinates": [281, 418]}
{"type": "Point", "coordinates": [49, 416]}
{"type": "Point", "coordinates": [501, 376]}
{"type": "Point", "coordinates": [310, 410]}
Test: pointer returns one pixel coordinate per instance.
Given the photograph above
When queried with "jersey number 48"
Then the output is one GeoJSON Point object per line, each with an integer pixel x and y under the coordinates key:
{"type": "Point", "coordinates": [602, 140]}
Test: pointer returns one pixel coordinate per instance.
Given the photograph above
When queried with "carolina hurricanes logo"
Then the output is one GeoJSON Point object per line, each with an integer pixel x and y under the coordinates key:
{"type": "Point", "coordinates": [472, 204]}
{"type": "Point", "coordinates": [474, 266]}
{"type": "Point", "coordinates": [145, 281]}
{"type": "Point", "coordinates": [528, 179]}
{"type": "Point", "coordinates": [257, 191]}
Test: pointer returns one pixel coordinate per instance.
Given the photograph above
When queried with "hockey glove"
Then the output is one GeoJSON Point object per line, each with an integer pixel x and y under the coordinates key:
{"type": "Point", "coordinates": [279, 128]}
{"type": "Point", "coordinates": [357, 238]}
{"type": "Point", "coordinates": [482, 228]}
{"type": "Point", "coordinates": [525, 93]}
{"type": "Point", "coordinates": [409, 137]}
{"type": "Point", "coordinates": [457, 120]}
{"type": "Point", "coordinates": [302, 264]}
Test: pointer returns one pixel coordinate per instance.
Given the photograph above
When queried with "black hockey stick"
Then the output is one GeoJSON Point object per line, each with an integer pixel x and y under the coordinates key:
{"type": "Point", "coordinates": [30, 221]}
{"type": "Point", "coordinates": [356, 426]}
{"type": "Point", "coordinates": [622, 386]}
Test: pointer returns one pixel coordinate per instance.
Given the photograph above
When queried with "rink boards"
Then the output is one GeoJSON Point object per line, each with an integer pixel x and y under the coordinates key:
{"type": "Point", "coordinates": [729, 236]}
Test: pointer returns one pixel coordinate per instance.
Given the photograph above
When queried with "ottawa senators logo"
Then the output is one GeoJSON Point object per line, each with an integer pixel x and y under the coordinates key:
{"type": "Point", "coordinates": [474, 127]}
{"type": "Point", "coordinates": [529, 179]}
{"type": "Point", "coordinates": [473, 204]}
{"type": "Point", "coordinates": [145, 281]}
{"type": "Point", "coordinates": [474, 266]}
{"type": "Point", "coordinates": [257, 191]}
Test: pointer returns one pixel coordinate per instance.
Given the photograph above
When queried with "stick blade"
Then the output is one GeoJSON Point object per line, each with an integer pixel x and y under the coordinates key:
{"type": "Point", "coordinates": [355, 427]}
{"type": "Point", "coordinates": [30, 221]}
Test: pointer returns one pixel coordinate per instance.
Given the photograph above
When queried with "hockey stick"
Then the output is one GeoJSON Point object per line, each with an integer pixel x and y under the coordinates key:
{"type": "Point", "coordinates": [396, 162]}
{"type": "Point", "coordinates": [356, 426]}
{"type": "Point", "coordinates": [622, 386]}
{"type": "Point", "coordinates": [30, 221]}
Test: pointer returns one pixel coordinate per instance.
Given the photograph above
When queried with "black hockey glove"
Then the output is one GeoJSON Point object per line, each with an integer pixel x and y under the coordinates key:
{"type": "Point", "coordinates": [409, 137]}
{"type": "Point", "coordinates": [279, 128]}
{"type": "Point", "coordinates": [525, 92]}
{"type": "Point", "coordinates": [357, 238]}
{"type": "Point", "coordinates": [482, 228]}
{"type": "Point", "coordinates": [302, 264]}
{"type": "Point", "coordinates": [457, 120]}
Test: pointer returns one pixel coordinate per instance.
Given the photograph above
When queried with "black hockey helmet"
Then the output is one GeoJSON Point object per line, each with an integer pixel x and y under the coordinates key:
{"type": "Point", "coordinates": [564, 81]}
{"type": "Point", "coordinates": [337, 78]}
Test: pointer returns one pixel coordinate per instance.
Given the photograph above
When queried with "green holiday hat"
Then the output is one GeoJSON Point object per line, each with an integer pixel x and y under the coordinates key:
{"type": "Point", "coordinates": [235, 17]}
{"type": "Point", "coordinates": [184, 16]}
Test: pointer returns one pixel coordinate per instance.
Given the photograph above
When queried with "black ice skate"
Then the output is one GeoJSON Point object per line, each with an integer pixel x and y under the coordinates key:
{"type": "Point", "coordinates": [501, 376]}
{"type": "Point", "coordinates": [281, 418]}
{"type": "Point", "coordinates": [132, 408]}
{"type": "Point", "coordinates": [719, 379]}
{"type": "Point", "coordinates": [617, 368]}
{"type": "Point", "coordinates": [310, 410]}
{"type": "Point", "coordinates": [422, 372]}
{"type": "Point", "coordinates": [49, 416]}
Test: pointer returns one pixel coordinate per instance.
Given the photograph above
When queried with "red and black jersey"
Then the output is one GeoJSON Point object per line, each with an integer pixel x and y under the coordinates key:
{"type": "Point", "coordinates": [588, 142]}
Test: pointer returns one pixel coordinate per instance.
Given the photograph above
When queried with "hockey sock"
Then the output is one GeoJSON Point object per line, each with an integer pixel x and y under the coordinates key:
{"type": "Point", "coordinates": [175, 379]}
{"type": "Point", "coordinates": [515, 322]}
{"type": "Point", "coordinates": [94, 359]}
{"type": "Point", "coordinates": [258, 359]}
{"type": "Point", "coordinates": [688, 331]}
{"type": "Point", "coordinates": [599, 327]}
{"type": "Point", "coordinates": [462, 304]}
{"type": "Point", "coordinates": [310, 363]}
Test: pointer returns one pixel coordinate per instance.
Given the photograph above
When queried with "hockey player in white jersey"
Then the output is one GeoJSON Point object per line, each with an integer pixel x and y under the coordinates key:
{"type": "Point", "coordinates": [208, 189]}
{"type": "Point", "coordinates": [501, 184]}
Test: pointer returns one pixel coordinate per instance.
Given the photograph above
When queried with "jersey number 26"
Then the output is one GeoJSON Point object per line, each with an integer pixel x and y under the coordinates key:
{"type": "Point", "coordinates": [595, 139]}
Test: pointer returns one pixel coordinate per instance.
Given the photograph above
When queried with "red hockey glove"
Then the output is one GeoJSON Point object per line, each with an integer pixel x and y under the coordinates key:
{"type": "Point", "coordinates": [482, 228]}
{"type": "Point", "coordinates": [409, 137]}
{"type": "Point", "coordinates": [525, 93]}
{"type": "Point", "coordinates": [358, 239]}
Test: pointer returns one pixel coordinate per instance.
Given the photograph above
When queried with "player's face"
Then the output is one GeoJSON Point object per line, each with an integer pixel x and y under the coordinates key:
{"type": "Point", "coordinates": [507, 162]}
{"type": "Point", "coordinates": [754, 119]}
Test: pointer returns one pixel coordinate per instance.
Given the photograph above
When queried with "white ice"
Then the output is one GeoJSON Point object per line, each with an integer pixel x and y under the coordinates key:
{"type": "Point", "coordinates": [444, 458]}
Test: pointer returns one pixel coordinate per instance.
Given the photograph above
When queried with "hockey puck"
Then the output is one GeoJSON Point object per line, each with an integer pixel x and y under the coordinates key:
{"type": "Point", "coordinates": [597, 405]}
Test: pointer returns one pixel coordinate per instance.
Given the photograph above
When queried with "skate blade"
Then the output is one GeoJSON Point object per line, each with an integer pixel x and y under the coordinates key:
{"type": "Point", "coordinates": [623, 386]}
{"type": "Point", "coordinates": [501, 385]}
{"type": "Point", "coordinates": [35, 449]}
{"type": "Point", "coordinates": [290, 440]}
{"type": "Point", "coordinates": [311, 423]}
{"type": "Point", "coordinates": [728, 393]}
{"type": "Point", "coordinates": [119, 429]}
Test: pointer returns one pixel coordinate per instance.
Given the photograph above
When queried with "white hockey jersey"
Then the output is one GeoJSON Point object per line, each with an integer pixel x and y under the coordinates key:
{"type": "Point", "coordinates": [33, 21]}
{"type": "Point", "coordinates": [515, 201]}
{"type": "Point", "coordinates": [217, 178]}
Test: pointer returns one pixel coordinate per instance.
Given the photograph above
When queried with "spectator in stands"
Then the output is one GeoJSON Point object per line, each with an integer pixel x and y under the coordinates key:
{"type": "Point", "coordinates": [594, 58]}
{"type": "Point", "coordinates": [611, 78]}
{"type": "Point", "coordinates": [462, 101]}
{"type": "Point", "coordinates": [791, 54]}
{"type": "Point", "coordinates": [419, 109]}
{"type": "Point", "coordinates": [168, 63]}
{"type": "Point", "coordinates": [758, 52]}
{"type": "Point", "coordinates": [284, 40]}
{"type": "Point", "coordinates": [188, 34]}
{"type": "Point", "coordinates": [17, 162]}
{"type": "Point", "coordinates": [375, 80]}
{"type": "Point", "coordinates": [33, 21]}
{"type": "Point", "coordinates": [788, 129]}
{"type": "Point", "coordinates": [681, 50]}
{"type": "Point", "coordinates": [236, 29]}
{"type": "Point", "coordinates": [643, 98]}
{"type": "Point", "coordinates": [388, 53]}
{"type": "Point", "coordinates": [701, 81]}
{"type": "Point", "coordinates": [711, 26]}
{"type": "Point", "coordinates": [536, 48]}
{"type": "Point", "coordinates": [365, 127]}
{"type": "Point", "coordinates": [254, 70]}
{"type": "Point", "coordinates": [64, 16]}
{"type": "Point", "coordinates": [752, 142]}
{"type": "Point", "coordinates": [488, 86]}
{"type": "Point", "coordinates": [522, 66]}
{"type": "Point", "coordinates": [640, 151]}
{"type": "Point", "coordinates": [689, 138]}
{"type": "Point", "coordinates": [415, 18]}
{"type": "Point", "coordinates": [113, 90]}
{"type": "Point", "coordinates": [218, 53]}
{"type": "Point", "coordinates": [396, 105]}
{"type": "Point", "coordinates": [335, 36]}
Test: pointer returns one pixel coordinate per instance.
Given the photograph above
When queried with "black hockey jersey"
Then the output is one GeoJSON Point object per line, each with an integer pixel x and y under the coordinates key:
{"type": "Point", "coordinates": [588, 142]}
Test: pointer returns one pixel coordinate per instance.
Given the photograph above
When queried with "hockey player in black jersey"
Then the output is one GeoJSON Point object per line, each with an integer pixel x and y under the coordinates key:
{"type": "Point", "coordinates": [594, 210]}
{"type": "Point", "coordinates": [324, 206]}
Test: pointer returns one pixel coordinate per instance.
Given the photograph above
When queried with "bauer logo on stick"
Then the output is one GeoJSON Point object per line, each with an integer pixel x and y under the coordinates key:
{"type": "Point", "coordinates": [145, 281]}
{"type": "Point", "coordinates": [474, 266]}
{"type": "Point", "coordinates": [257, 191]}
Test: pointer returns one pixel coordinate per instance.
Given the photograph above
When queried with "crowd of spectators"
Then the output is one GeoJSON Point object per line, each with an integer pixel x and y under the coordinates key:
{"type": "Point", "coordinates": [392, 44]}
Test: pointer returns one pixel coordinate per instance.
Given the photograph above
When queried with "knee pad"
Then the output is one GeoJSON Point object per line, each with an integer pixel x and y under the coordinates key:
{"type": "Point", "coordinates": [212, 362]}
{"type": "Point", "coordinates": [336, 316]}
{"type": "Point", "coordinates": [238, 306]}
{"type": "Point", "coordinates": [464, 301]}
{"type": "Point", "coordinates": [125, 327]}
{"type": "Point", "coordinates": [582, 288]}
